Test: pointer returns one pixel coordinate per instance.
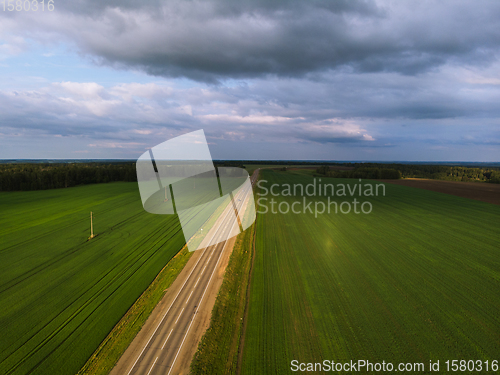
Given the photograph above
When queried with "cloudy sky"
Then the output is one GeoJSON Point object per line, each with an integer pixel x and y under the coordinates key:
{"type": "Point", "coordinates": [265, 79]}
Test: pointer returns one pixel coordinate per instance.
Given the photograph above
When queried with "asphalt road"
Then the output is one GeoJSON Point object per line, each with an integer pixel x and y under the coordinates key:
{"type": "Point", "coordinates": [160, 345]}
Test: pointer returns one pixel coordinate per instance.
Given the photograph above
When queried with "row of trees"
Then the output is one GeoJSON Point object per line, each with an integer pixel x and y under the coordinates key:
{"type": "Point", "coordinates": [371, 173]}
{"type": "Point", "coordinates": [15, 177]}
{"type": "Point", "coordinates": [395, 171]}
{"type": "Point", "coordinates": [40, 176]}
{"type": "Point", "coordinates": [443, 172]}
{"type": "Point", "coordinates": [237, 164]}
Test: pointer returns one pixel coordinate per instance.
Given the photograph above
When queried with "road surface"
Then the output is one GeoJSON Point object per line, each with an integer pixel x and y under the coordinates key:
{"type": "Point", "coordinates": [168, 340]}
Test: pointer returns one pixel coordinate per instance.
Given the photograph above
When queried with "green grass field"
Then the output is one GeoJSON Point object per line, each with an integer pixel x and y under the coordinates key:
{"type": "Point", "coordinates": [60, 294]}
{"type": "Point", "coordinates": [417, 279]}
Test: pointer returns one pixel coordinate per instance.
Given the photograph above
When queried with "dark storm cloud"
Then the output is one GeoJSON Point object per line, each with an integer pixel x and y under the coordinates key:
{"type": "Point", "coordinates": [218, 39]}
{"type": "Point", "coordinates": [225, 7]}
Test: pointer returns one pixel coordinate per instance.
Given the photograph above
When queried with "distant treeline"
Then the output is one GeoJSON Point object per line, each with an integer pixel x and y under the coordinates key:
{"type": "Point", "coordinates": [15, 177]}
{"type": "Point", "coordinates": [363, 172]}
{"type": "Point", "coordinates": [395, 171]}
{"type": "Point", "coordinates": [41, 176]}
{"type": "Point", "coordinates": [219, 163]}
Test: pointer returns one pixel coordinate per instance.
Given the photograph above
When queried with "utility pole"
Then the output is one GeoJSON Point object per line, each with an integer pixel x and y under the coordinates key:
{"type": "Point", "coordinates": [166, 199]}
{"type": "Point", "coordinates": [91, 227]}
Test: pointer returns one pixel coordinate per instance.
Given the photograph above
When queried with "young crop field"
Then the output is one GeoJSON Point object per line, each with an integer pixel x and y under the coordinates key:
{"type": "Point", "coordinates": [417, 279]}
{"type": "Point", "coordinates": [60, 294]}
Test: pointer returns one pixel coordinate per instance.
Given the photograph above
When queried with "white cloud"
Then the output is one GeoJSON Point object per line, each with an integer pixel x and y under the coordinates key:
{"type": "Point", "coordinates": [142, 131]}
{"type": "Point", "coordinates": [116, 144]}
{"type": "Point", "coordinates": [11, 46]}
{"type": "Point", "coordinates": [86, 90]}
{"type": "Point", "coordinates": [129, 91]}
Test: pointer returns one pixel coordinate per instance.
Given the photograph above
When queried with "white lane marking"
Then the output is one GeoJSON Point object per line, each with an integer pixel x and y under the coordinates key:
{"type": "Point", "coordinates": [167, 338]}
{"type": "Point", "coordinates": [196, 282]}
{"type": "Point", "coordinates": [179, 316]}
{"type": "Point", "coordinates": [149, 372]}
{"type": "Point", "coordinates": [201, 300]}
{"type": "Point", "coordinates": [180, 290]}
{"type": "Point", "coordinates": [192, 320]}
{"type": "Point", "coordinates": [190, 296]}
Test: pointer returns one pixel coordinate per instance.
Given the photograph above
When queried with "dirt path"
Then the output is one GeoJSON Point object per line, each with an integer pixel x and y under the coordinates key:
{"type": "Point", "coordinates": [481, 191]}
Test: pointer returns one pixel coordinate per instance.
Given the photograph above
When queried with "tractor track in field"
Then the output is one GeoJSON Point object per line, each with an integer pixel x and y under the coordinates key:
{"type": "Point", "coordinates": [43, 266]}
{"type": "Point", "coordinates": [68, 320]}
{"type": "Point", "coordinates": [127, 262]}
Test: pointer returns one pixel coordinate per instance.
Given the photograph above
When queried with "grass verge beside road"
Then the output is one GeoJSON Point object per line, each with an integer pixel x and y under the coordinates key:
{"type": "Point", "coordinates": [219, 347]}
